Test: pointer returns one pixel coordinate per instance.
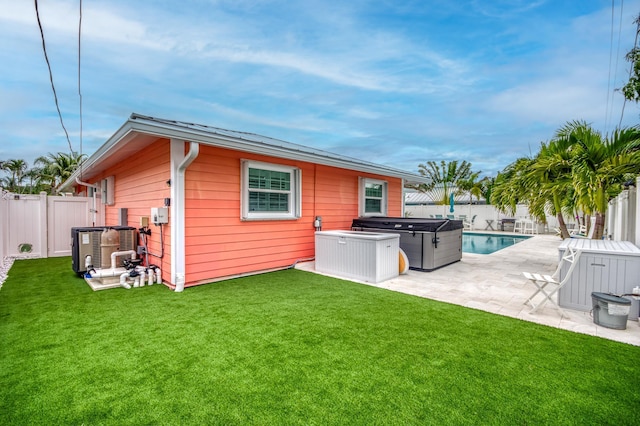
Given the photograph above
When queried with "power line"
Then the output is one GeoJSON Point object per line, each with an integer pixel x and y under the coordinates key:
{"type": "Point", "coordinates": [635, 45]}
{"type": "Point", "coordinates": [46, 58]}
{"type": "Point", "coordinates": [617, 55]}
{"type": "Point", "coordinates": [79, 54]}
{"type": "Point", "coordinates": [606, 112]}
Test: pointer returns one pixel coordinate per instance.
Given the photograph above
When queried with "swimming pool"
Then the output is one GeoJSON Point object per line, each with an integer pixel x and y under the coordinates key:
{"type": "Point", "coordinates": [488, 243]}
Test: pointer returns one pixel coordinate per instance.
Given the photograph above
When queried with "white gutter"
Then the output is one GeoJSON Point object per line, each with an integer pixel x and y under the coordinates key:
{"type": "Point", "coordinates": [91, 185]}
{"type": "Point", "coordinates": [94, 210]}
{"type": "Point", "coordinates": [179, 164]}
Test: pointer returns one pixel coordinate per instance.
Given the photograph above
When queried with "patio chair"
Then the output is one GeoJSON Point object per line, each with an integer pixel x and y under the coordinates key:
{"type": "Point", "coordinates": [548, 285]}
{"type": "Point", "coordinates": [583, 230]}
{"type": "Point", "coordinates": [518, 225]}
{"type": "Point", "coordinates": [529, 226]}
{"type": "Point", "coordinates": [468, 225]}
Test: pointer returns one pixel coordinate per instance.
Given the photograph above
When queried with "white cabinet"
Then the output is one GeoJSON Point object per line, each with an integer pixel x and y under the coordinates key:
{"type": "Point", "coordinates": [363, 256]}
{"type": "Point", "coordinates": [604, 266]}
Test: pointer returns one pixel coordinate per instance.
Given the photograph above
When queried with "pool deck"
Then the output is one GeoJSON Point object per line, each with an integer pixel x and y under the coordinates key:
{"type": "Point", "coordinates": [494, 283]}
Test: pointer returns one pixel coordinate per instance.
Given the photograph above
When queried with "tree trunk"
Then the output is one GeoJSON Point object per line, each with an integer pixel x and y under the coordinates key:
{"type": "Point", "coordinates": [599, 231]}
{"type": "Point", "coordinates": [563, 226]}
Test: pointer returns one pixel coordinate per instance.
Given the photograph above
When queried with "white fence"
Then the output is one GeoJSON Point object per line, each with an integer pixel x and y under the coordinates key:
{"type": "Point", "coordinates": [486, 216]}
{"type": "Point", "coordinates": [622, 217]}
{"type": "Point", "coordinates": [623, 220]}
{"type": "Point", "coordinates": [40, 225]}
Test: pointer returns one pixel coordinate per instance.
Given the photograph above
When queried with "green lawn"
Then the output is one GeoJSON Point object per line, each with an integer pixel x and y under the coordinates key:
{"type": "Point", "coordinates": [291, 347]}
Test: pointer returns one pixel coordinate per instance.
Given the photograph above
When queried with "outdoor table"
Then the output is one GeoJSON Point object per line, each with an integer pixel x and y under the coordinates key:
{"type": "Point", "coordinates": [503, 221]}
{"type": "Point", "coordinates": [489, 225]}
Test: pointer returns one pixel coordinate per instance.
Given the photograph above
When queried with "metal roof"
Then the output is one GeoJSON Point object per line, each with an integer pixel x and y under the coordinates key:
{"type": "Point", "coordinates": [116, 148]}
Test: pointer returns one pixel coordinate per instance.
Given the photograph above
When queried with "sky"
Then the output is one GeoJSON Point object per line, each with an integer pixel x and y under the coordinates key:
{"type": "Point", "coordinates": [393, 82]}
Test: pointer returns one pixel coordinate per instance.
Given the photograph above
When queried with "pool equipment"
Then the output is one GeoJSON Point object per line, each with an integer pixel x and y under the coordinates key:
{"type": "Point", "coordinates": [117, 268]}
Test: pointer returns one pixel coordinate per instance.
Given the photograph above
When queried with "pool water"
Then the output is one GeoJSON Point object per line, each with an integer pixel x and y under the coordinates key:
{"type": "Point", "coordinates": [488, 243]}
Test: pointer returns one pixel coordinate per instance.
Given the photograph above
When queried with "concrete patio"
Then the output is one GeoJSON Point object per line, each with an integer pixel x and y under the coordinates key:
{"type": "Point", "coordinates": [494, 283]}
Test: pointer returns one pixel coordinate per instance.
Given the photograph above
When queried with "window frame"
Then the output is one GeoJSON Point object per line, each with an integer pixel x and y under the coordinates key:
{"type": "Point", "coordinates": [294, 192]}
{"type": "Point", "coordinates": [362, 199]}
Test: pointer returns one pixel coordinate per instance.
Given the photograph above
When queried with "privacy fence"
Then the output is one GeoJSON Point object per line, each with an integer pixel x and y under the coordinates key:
{"type": "Point", "coordinates": [40, 225]}
{"type": "Point", "coordinates": [622, 217]}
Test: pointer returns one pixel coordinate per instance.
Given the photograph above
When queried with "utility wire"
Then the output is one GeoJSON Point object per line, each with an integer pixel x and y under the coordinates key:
{"type": "Point", "coordinates": [615, 68]}
{"type": "Point", "coordinates": [606, 112]}
{"type": "Point", "coordinates": [46, 57]}
{"type": "Point", "coordinates": [635, 45]}
{"type": "Point", "coordinates": [79, 88]}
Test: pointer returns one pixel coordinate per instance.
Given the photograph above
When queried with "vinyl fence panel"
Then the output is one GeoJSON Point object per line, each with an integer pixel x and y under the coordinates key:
{"type": "Point", "coordinates": [64, 213]}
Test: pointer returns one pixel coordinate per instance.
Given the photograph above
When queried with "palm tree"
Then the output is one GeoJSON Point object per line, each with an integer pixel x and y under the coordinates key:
{"type": "Point", "coordinates": [444, 177]}
{"type": "Point", "coordinates": [552, 169]}
{"type": "Point", "coordinates": [57, 168]}
{"type": "Point", "coordinates": [577, 170]}
{"type": "Point", "coordinates": [16, 169]}
{"type": "Point", "coordinates": [600, 165]}
{"type": "Point", "coordinates": [34, 175]}
{"type": "Point", "coordinates": [472, 186]}
{"type": "Point", "coordinates": [486, 188]}
{"type": "Point", "coordinates": [512, 187]}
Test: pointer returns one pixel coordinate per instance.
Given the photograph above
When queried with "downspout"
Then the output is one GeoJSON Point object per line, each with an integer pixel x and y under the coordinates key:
{"type": "Point", "coordinates": [79, 182]}
{"type": "Point", "coordinates": [402, 198]}
{"type": "Point", "coordinates": [178, 252]}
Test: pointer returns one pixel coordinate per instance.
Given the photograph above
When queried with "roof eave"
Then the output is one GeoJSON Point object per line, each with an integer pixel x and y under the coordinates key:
{"type": "Point", "coordinates": [133, 126]}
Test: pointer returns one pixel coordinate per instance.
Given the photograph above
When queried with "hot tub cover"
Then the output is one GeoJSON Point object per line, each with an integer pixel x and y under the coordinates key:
{"type": "Point", "coordinates": [407, 224]}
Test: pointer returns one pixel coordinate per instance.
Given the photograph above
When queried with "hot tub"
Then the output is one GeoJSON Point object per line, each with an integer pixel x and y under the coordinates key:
{"type": "Point", "coordinates": [428, 243]}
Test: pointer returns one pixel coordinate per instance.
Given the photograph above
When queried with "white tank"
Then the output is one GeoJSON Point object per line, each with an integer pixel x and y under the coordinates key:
{"type": "Point", "coordinates": [109, 243]}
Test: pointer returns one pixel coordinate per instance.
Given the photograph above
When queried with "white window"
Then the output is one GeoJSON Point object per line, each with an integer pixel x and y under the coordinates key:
{"type": "Point", "coordinates": [270, 191]}
{"type": "Point", "coordinates": [372, 197]}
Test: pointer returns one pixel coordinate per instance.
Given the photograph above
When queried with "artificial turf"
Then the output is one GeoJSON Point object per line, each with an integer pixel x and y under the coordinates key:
{"type": "Point", "coordinates": [291, 347]}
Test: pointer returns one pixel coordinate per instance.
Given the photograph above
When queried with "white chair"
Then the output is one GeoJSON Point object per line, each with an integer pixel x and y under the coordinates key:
{"type": "Point", "coordinates": [583, 230]}
{"type": "Point", "coordinates": [469, 224]}
{"type": "Point", "coordinates": [529, 226]}
{"type": "Point", "coordinates": [518, 226]}
{"type": "Point", "coordinates": [544, 283]}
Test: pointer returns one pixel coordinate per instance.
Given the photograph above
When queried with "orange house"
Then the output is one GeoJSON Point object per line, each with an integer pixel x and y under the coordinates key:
{"type": "Point", "coordinates": [237, 203]}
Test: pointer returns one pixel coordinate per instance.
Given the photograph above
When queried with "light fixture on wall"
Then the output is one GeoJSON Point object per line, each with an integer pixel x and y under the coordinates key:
{"type": "Point", "coordinates": [169, 183]}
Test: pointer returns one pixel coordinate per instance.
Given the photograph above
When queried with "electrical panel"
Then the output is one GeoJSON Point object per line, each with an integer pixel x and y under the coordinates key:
{"type": "Point", "coordinates": [159, 215]}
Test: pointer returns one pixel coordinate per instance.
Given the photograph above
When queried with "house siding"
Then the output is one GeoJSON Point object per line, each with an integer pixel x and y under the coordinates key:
{"type": "Point", "coordinates": [218, 243]}
{"type": "Point", "coordinates": [139, 185]}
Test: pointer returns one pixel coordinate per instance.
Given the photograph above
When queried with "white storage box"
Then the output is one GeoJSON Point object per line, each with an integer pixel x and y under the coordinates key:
{"type": "Point", "coordinates": [604, 266]}
{"type": "Point", "coordinates": [363, 256]}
